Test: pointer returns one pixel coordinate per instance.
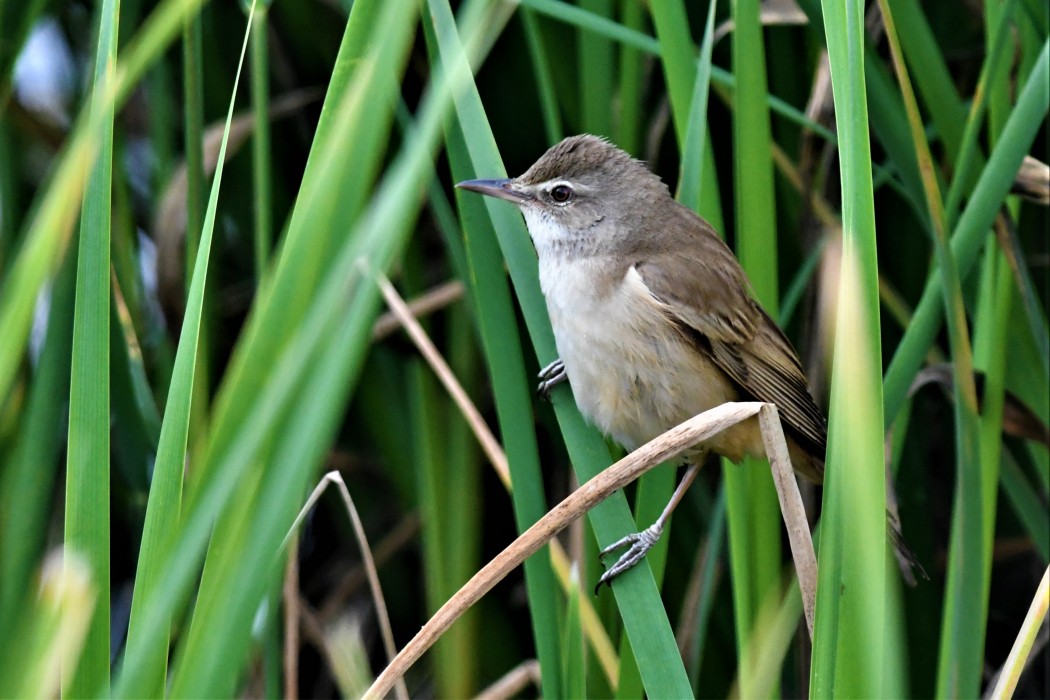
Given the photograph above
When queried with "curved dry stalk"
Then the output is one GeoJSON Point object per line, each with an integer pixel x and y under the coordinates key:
{"type": "Point", "coordinates": [590, 494]}
{"type": "Point", "coordinates": [382, 617]}
{"type": "Point", "coordinates": [390, 544]}
{"type": "Point", "coordinates": [427, 303]}
{"type": "Point", "coordinates": [513, 681]}
{"type": "Point", "coordinates": [399, 308]}
{"type": "Point", "coordinates": [795, 521]}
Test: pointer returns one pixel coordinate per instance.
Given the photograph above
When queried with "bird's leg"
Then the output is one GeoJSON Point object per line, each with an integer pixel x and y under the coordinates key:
{"type": "Point", "coordinates": [642, 542]}
{"type": "Point", "coordinates": [550, 376]}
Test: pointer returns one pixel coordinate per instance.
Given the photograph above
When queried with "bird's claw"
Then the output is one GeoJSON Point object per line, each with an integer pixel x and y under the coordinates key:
{"type": "Point", "coordinates": [638, 544]}
{"type": "Point", "coordinates": [550, 376]}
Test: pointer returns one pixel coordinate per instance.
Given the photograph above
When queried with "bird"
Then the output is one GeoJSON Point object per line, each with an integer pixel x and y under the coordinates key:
{"type": "Point", "coordinates": [654, 319]}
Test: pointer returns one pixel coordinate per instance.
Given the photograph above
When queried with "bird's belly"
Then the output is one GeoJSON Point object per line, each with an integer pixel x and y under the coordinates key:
{"type": "Point", "coordinates": [632, 374]}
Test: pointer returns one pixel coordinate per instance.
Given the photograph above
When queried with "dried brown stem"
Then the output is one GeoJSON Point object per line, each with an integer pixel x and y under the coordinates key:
{"type": "Point", "coordinates": [623, 472]}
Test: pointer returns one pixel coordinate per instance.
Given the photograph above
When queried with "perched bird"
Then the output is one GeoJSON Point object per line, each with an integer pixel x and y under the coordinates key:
{"type": "Point", "coordinates": [653, 316]}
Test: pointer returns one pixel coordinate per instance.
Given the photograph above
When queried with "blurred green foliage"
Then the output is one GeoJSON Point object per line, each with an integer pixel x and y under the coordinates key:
{"type": "Point", "coordinates": [237, 377]}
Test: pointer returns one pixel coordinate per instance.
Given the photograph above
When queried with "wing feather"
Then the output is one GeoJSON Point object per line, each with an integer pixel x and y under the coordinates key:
{"type": "Point", "coordinates": [703, 288]}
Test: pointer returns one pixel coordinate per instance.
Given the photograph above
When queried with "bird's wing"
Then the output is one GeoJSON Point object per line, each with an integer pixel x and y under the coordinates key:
{"type": "Point", "coordinates": [716, 312]}
{"type": "Point", "coordinates": [704, 286]}
{"type": "Point", "coordinates": [769, 369]}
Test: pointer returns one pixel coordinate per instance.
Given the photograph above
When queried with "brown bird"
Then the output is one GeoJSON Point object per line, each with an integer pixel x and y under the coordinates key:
{"type": "Point", "coordinates": [653, 316]}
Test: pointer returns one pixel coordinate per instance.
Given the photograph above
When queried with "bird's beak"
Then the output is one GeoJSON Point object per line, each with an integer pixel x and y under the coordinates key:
{"type": "Point", "coordinates": [500, 189]}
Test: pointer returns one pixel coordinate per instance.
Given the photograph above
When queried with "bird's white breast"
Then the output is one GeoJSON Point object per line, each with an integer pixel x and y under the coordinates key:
{"type": "Point", "coordinates": [632, 373]}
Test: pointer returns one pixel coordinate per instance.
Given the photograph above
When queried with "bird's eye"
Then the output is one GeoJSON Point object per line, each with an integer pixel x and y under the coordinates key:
{"type": "Point", "coordinates": [561, 193]}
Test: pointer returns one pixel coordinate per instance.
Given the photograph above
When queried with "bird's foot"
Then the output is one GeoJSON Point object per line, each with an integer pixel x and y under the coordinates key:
{"type": "Point", "coordinates": [638, 544]}
{"type": "Point", "coordinates": [550, 376]}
